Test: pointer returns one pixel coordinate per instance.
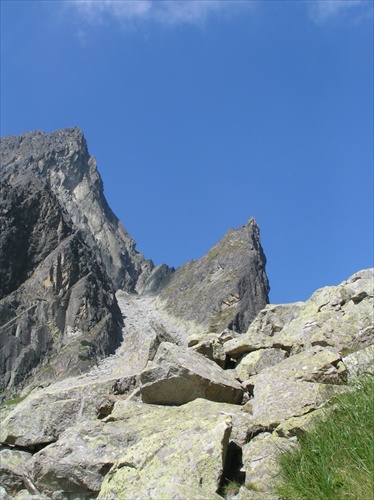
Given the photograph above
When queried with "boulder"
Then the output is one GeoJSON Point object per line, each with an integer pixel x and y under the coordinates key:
{"type": "Point", "coordinates": [295, 386]}
{"type": "Point", "coordinates": [177, 376]}
{"type": "Point", "coordinates": [210, 345]}
{"type": "Point", "coordinates": [254, 362]}
{"type": "Point", "coordinates": [139, 451]}
{"type": "Point", "coordinates": [172, 460]}
{"type": "Point", "coordinates": [260, 462]}
{"type": "Point", "coordinates": [359, 362]}
{"type": "Point", "coordinates": [297, 426]}
{"type": "Point", "coordinates": [13, 469]}
{"type": "Point", "coordinates": [336, 316]}
{"type": "Point", "coordinates": [46, 413]}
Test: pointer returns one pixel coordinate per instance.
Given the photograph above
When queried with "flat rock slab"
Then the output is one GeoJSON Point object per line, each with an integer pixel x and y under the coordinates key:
{"type": "Point", "coordinates": [178, 375]}
{"type": "Point", "coordinates": [139, 452]}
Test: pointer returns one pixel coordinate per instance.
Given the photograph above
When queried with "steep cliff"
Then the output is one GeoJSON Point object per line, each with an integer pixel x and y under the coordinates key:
{"type": "Point", "coordinates": [63, 253]}
{"type": "Point", "coordinates": [60, 163]}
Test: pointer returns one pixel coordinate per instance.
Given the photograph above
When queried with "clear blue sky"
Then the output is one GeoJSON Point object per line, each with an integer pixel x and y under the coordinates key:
{"type": "Point", "coordinates": [202, 114]}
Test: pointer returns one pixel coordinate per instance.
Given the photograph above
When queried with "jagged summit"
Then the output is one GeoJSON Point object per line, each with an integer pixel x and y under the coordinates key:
{"type": "Point", "coordinates": [225, 288]}
{"type": "Point", "coordinates": [60, 162]}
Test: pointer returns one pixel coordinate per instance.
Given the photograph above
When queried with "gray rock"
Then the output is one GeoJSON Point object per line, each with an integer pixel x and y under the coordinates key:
{"type": "Point", "coordinates": [296, 386]}
{"type": "Point", "coordinates": [177, 376]}
{"type": "Point", "coordinates": [60, 162]}
{"type": "Point", "coordinates": [13, 469]}
{"type": "Point", "coordinates": [359, 362]}
{"type": "Point", "coordinates": [338, 316]}
{"type": "Point", "coordinates": [226, 287]}
{"type": "Point", "coordinates": [260, 462]}
{"type": "Point", "coordinates": [254, 362]}
{"type": "Point", "coordinates": [139, 451]}
{"type": "Point", "coordinates": [46, 413]}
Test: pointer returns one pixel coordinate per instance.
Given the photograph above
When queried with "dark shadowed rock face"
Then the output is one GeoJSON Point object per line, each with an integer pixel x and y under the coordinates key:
{"type": "Point", "coordinates": [63, 254]}
{"type": "Point", "coordinates": [225, 288]}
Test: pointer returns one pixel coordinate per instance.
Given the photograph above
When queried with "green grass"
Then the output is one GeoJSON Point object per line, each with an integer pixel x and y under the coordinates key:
{"type": "Point", "coordinates": [231, 488]}
{"type": "Point", "coordinates": [335, 460]}
{"type": "Point", "coordinates": [13, 401]}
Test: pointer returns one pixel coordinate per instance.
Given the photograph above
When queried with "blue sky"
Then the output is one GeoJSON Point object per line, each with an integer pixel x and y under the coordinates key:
{"type": "Point", "coordinates": [202, 114]}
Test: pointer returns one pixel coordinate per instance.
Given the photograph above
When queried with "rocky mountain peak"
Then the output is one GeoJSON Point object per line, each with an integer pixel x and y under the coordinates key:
{"type": "Point", "coordinates": [60, 162]}
{"type": "Point", "coordinates": [227, 287]}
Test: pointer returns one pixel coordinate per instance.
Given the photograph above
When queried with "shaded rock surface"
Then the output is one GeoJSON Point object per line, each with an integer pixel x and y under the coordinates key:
{"type": "Point", "coordinates": [58, 165]}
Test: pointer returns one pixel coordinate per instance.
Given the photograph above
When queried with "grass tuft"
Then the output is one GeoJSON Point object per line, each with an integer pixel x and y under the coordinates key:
{"type": "Point", "coordinates": [335, 460]}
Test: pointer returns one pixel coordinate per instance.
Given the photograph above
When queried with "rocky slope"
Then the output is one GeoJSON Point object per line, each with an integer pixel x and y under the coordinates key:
{"type": "Point", "coordinates": [164, 421]}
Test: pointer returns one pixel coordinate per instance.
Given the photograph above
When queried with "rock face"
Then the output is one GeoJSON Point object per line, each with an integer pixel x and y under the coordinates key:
{"type": "Point", "coordinates": [225, 288]}
{"type": "Point", "coordinates": [58, 166]}
{"type": "Point", "coordinates": [335, 316]}
{"type": "Point", "coordinates": [62, 255]}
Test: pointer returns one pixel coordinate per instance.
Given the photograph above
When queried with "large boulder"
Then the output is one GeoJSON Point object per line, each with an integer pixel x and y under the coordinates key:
{"type": "Point", "coordinates": [46, 413]}
{"type": "Point", "coordinates": [261, 465]}
{"type": "Point", "coordinates": [139, 451]}
{"type": "Point", "coordinates": [254, 362]}
{"type": "Point", "coordinates": [177, 376]}
{"type": "Point", "coordinates": [296, 386]}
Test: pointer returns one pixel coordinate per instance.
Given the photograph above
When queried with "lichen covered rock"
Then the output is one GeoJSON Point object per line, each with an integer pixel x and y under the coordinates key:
{"type": "Point", "coordinates": [177, 375]}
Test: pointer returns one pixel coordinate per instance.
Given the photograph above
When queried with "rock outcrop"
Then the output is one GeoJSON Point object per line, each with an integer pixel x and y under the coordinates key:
{"type": "Point", "coordinates": [225, 288]}
{"type": "Point", "coordinates": [59, 165]}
